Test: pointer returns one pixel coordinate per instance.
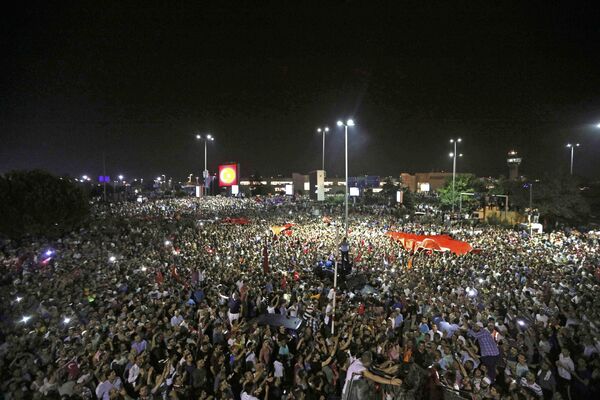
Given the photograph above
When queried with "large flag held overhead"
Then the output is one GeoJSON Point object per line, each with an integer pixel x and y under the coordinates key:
{"type": "Point", "coordinates": [413, 243]}
{"type": "Point", "coordinates": [236, 221]}
{"type": "Point", "coordinates": [285, 229]}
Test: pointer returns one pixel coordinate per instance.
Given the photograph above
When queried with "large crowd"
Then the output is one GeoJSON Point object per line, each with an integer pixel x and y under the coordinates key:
{"type": "Point", "coordinates": [163, 300]}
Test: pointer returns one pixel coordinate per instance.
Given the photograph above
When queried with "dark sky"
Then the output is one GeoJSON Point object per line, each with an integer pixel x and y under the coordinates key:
{"type": "Point", "coordinates": [140, 81]}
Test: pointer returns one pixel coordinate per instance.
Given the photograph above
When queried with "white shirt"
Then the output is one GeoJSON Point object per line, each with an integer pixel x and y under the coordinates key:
{"type": "Point", "coordinates": [278, 369]}
{"type": "Point", "coordinates": [355, 368]}
{"type": "Point", "coordinates": [293, 310]}
{"type": "Point", "coordinates": [134, 371]}
{"type": "Point", "coordinates": [251, 358]}
{"type": "Point", "coordinates": [329, 308]}
{"type": "Point", "coordinates": [103, 390]}
{"type": "Point", "coordinates": [246, 396]}
{"type": "Point", "coordinates": [566, 361]}
{"type": "Point", "coordinates": [331, 294]}
{"type": "Point", "coordinates": [542, 318]}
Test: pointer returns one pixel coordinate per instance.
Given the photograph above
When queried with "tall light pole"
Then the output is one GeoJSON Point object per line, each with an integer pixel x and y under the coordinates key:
{"type": "Point", "coordinates": [454, 155]}
{"type": "Point", "coordinates": [531, 196]}
{"type": "Point", "coordinates": [530, 186]}
{"type": "Point", "coordinates": [346, 124]}
{"type": "Point", "coordinates": [206, 138]}
{"type": "Point", "coordinates": [572, 147]}
{"type": "Point", "coordinates": [323, 131]}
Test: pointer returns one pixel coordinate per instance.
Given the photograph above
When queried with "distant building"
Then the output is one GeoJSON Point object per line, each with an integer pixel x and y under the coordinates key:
{"type": "Point", "coordinates": [316, 181]}
{"type": "Point", "coordinates": [300, 183]}
{"type": "Point", "coordinates": [513, 162]}
{"type": "Point", "coordinates": [425, 182]}
{"type": "Point", "coordinates": [365, 181]}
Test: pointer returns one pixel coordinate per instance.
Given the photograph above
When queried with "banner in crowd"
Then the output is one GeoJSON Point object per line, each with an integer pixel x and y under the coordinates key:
{"type": "Point", "coordinates": [413, 243]}
{"type": "Point", "coordinates": [236, 221]}
{"type": "Point", "coordinates": [285, 229]}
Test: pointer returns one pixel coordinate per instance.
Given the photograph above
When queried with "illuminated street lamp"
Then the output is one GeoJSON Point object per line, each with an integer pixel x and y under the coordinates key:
{"type": "Point", "coordinates": [454, 155]}
{"type": "Point", "coordinates": [323, 131]}
{"type": "Point", "coordinates": [572, 147]}
{"type": "Point", "coordinates": [206, 138]}
{"type": "Point", "coordinates": [340, 123]}
{"type": "Point", "coordinates": [348, 123]}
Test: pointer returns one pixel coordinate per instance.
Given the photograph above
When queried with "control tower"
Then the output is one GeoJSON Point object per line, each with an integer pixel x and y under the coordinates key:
{"type": "Point", "coordinates": [513, 162]}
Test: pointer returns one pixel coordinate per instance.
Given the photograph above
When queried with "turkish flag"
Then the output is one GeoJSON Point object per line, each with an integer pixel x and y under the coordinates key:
{"type": "Point", "coordinates": [159, 278]}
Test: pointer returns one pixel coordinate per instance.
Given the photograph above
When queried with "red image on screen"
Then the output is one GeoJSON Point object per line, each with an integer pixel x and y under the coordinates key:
{"type": "Point", "coordinates": [228, 175]}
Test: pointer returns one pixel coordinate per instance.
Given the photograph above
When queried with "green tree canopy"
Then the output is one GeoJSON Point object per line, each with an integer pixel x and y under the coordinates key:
{"type": "Point", "coordinates": [39, 204]}
{"type": "Point", "coordinates": [389, 189]}
{"type": "Point", "coordinates": [465, 183]}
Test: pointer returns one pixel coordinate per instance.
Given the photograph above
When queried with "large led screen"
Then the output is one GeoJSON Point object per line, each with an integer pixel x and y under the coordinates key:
{"type": "Point", "coordinates": [228, 175]}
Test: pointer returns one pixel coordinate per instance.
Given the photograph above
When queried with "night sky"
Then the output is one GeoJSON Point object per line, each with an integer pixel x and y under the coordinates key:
{"type": "Point", "coordinates": [140, 81]}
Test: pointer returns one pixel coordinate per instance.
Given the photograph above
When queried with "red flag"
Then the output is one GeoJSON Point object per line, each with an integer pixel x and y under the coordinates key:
{"type": "Point", "coordinates": [283, 283]}
{"type": "Point", "coordinates": [174, 273]}
{"type": "Point", "coordinates": [159, 278]}
{"type": "Point", "coordinates": [265, 259]}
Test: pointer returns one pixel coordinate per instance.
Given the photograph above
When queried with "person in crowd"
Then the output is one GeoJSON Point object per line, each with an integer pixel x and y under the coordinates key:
{"type": "Point", "coordinates": [161, 300]}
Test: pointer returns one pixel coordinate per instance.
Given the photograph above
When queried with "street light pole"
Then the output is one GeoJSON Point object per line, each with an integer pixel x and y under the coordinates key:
{"type": "Point", "coordinates": [104, 177]}
{"type": "Point", "coordinates": [453, 176]}
{"type": "Point", "coordinates": [346, 185]}
{"type": "Point", "coordinates": [454, 155]}
{"type": "Point", "coordinates": [206, 138]}
{"type": "Point", "coordinates": [572, 147]}
{"type": "Point", "coordinates": [346, 125]}
{"type": "Point", "coordinates": [460, 195]}
{"type": "Point", "coordinates": [323, 131]}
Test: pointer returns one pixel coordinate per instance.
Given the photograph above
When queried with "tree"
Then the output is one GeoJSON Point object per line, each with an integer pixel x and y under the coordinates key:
{"type": "Point", "coordinates": [368, 197]}
{"type": "Point", "coordinates": [389, 189]}
{"type": "Point", "coordinates": [408, 198]}
{"type": "Point", "coordinates": [37, 203]}
{"type": "Point", "coordinates": [465, 183]}
{"type": "Point", "coordinates": [556, 197]}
